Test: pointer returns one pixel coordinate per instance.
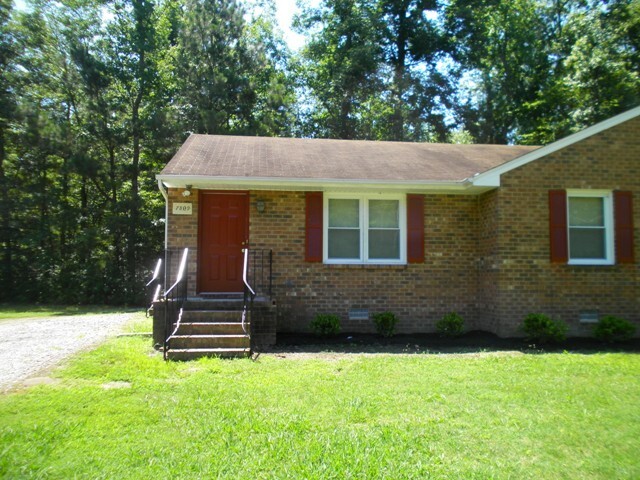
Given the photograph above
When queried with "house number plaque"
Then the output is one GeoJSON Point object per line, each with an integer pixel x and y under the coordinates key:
{"type": "Point", "coordinates": [182, 209]}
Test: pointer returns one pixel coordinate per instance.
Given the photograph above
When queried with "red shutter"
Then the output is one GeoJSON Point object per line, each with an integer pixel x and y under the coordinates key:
{"type": "Point", "coordinates": [558, 226]}
{"type": "Point", "coordinates": [623, 214]}
{"type": "Point", "coordinates": [415, 228]}
{"type": "Point", "coordinates": [313, 245]}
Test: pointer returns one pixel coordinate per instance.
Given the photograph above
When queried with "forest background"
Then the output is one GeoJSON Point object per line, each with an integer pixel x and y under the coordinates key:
{"type": "Point", "coordinates": [96, 96]}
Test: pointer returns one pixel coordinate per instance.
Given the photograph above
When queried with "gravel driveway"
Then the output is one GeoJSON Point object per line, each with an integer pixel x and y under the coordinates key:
{"type": "Point", "coordinates": [30, 345]}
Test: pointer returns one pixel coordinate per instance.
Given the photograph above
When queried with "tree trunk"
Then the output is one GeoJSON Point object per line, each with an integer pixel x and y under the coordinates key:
{"type": "Point", "coordinates": [132, 253]}
{"type": "Point", "coordinates": [5, 229]}
{"type": "Point", "coordinates": [399, 71]}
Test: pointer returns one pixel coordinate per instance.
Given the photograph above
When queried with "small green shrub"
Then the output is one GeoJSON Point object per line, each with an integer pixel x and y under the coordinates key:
{"type": "Point", "coordinates": [451, 325]}
{"type": "Point", "coordinates": [540, 328]}
{"type": "Point", "coordinates": [385, 323]}
{"type": "Point", "coordinates": [325, 325]}
{"type": "Point", "coordinates": [614, 329]}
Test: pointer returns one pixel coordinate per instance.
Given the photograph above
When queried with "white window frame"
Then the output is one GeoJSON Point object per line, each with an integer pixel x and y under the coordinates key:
{"type": "Point", "coordinates": [607, 197]}
{"type": "Point", "coordinates": [363, 199]}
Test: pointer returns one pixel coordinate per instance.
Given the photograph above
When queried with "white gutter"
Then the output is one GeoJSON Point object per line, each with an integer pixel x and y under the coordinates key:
{"type": "Point", "coordinates": [315, 184]}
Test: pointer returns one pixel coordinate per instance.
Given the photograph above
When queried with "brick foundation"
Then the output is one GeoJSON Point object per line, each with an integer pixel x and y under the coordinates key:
{"type": "Point", "coordinates": [263, 326]}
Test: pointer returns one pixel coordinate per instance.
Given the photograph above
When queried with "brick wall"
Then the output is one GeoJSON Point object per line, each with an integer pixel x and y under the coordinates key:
{"type": "Point", "coordinates": [419, 294]}
{"type": "Point", "coordinates": [183, 233]}
{"type": "Point", "coordinates": [526, 281]}
{"type": "Point", "coordinates": [488, 261]}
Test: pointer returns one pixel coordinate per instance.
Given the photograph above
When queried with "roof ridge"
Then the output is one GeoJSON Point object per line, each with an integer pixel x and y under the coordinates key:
{"type": "Point", "coordinates": [379, 142]}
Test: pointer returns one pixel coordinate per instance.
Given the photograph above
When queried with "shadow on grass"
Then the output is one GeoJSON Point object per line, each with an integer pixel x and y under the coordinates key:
{"type": "Point", "coordinates": [16, 311]}
{"type": "Point", "coordinates": [471, 342]}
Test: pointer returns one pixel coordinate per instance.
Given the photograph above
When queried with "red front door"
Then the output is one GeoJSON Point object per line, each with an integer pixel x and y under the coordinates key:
{"type": "Point", "coordinates": [224, 231]}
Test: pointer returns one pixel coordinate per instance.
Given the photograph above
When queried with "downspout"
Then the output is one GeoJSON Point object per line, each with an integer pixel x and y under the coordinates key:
{"type": "Point", "coordinates": [163, 191]}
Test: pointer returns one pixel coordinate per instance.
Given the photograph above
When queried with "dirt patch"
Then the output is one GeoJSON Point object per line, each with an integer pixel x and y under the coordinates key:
{"type": "Point", "coordinates": [334, 356]}
{"type": "Point", "coordinates": [116, 385]}
{"type": "Point", "coordinates": [34, 381]}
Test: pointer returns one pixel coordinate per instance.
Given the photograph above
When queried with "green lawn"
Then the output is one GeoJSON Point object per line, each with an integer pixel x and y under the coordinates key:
{"type": "Point", "coordinates": [16, 311]}
{"type": "Point", "coordinates": [121, 412]}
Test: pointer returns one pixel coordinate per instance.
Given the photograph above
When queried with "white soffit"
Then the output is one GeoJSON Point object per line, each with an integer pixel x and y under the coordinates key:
{"type": "Point", "coordinates": [491, 178]}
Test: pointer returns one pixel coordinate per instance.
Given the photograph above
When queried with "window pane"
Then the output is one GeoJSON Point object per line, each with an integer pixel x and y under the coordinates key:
{"type": "Point", "coordinates": [383, 214]}
{"type": "Point", "coordinates": [586, 212]}
{"type": "Point", "coordinates": [587, 243]}
{"type": "Point", "coordinates": [344, 213]}
{"type": "Point", "coordinates": [384, 244]}
{"type": "Point", "coordinates": [344, 243]}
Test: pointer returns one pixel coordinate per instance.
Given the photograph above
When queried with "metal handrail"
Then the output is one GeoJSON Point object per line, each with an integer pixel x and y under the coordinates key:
{"type": "Point", "coordinates": [178, 293]}
{"type": "Point", "coordinates": [154, 298]}
{"type": "Point", "coordinates": [156, 295]}
{"type": "Point", "coordinates": [183, 264]}
{"type": "Point", "coordinates": [248, 291]}
{"type": "Point", "coordinates": [156, 272]}
{"type": "Point", "coordinates": [175, 330]}
{"type": "Point", "coordinates": [245, 270]}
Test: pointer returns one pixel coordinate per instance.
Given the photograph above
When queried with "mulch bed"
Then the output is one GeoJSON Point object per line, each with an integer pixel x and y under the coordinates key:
{"type": "Point", "coordinates": [475, 341]}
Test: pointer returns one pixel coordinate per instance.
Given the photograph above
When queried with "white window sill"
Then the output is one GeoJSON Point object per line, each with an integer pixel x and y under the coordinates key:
{"type": "Point", "coordinates": [594, 262]}
{"type": "Point", "coordinates": [365, 264]}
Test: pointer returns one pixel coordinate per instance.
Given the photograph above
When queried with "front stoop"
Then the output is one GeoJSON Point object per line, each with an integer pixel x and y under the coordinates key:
{"type": "Point", "coordinates": [211, 327]}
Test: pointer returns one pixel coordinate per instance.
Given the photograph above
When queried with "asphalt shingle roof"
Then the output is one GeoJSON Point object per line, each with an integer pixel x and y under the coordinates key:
{"type": "Point", "coordinates": [299, 158]}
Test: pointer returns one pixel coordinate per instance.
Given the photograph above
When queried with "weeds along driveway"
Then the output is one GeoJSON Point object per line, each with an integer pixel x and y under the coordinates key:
{"type": "Point", "coordinates": [30, 345]}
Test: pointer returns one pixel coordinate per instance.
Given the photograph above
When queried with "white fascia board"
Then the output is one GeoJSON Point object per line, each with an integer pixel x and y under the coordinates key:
{"type": "Point", "coordinates": [312, 184]}
{"type": "Point", "coordinates": [491, 178]}
{"type": "Point", "coordinates": [487, 179]}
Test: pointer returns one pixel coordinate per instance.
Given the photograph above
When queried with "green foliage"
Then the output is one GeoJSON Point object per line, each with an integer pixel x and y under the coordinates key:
{"type": "Point", "coordinates": [614, 329]}
{"type": "Point", "coordinates": [385, 323]}
{"type": "Point", "coordinates": [451, 325]}
{"type": "Point", "coordinates": [229, 77]}
{"type": "Point", "coordinates": [537, 71]}
{"type": "Point", "coordinates": [325, 325]}
{"type": "Point", "coordinates": [91, 108]}
{"type": "Point", "coordinates": [543, 329]}
{"type": "Point", "coordinates": [340, 66]}
{"type": "Point", "coordinates": [370, 68]}
{"type": "Point", "coordinates": [511, 71]}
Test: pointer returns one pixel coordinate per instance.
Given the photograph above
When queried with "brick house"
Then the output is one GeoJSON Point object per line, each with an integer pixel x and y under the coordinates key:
{"type": "Point", "coordinates": [357, 227]}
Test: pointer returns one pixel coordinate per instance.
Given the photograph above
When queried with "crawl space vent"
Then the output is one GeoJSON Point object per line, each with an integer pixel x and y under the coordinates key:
{"type": "Point", "coordinates": [359, 314]}
{"type": "Point", "coordinates": [588, 317]}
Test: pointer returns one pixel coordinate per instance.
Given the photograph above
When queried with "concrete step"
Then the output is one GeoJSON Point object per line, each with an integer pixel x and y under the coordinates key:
{"type": "Point", "coordinates": [193, 353]}
{"type": "Point", "coordinates": [212, 315]}
{"type": "Point", "coordinates": [212, 328]}
{"type": "Point", "coordinates": [213, 304]}
{"type": "Point", "coordinates": [209, 341]}
{"type": "Point", "coordinates": [219, 296]}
